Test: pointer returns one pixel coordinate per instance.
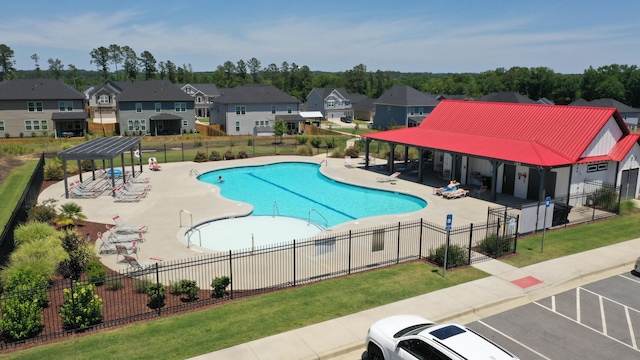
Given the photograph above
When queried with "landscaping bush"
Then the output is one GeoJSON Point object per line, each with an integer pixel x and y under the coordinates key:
{"type": "Point", "coordinates": [53, 171]}
{"type": "Point", "coordinates": [228, 155]}
{"type": "Point", "coordinates": [302, 139]}
{"type": "Point", "coordinates": [219, 285]}
{"type": "Point", "coordinates": [305, 150]}
{"type": "Point", "coordinates": [606, 199]}
{"type": "Point", "coordinates": [457, 256]}
{"type": "Point", "coordinates": [82, 307]}
{"type": "Point", "coordinates": [215, 156]}
{"type": "Point", "coordinates": [7, 135]}
{"type": "Point", "coordinates": [330, 142]}
{"type": "Point", "coordinates": [96, 272]}
{"type": "Point", "coordinates": [34, 231]}
{"type": "Point", "coordinates": [242, 154]}
{"type": "Point", "coordinates": [35, 283]}
{"type": "Point", "coordinates": [113, 283]}
{"type": "Point", "coordinates": [43, 212]}
{"type": "Point", "coordinates": [21, 317]}
{"type": "Point", "coordinates": [250, 142]}
{"type": "Point", "coordinates": [141, 285]}
{"type": "Point", "coordinates": [157, 296]}
{"type": "Point", "coordinates": [86, 165]}
{"type": "Point", "coordinates": [79, 252]}
{"type": "Point", "coordinates": [200, 157]}
{"type": "Point", "coordinates": [337, 153]}
{"type": "Point", "coordinates": [316, 142]}
{"type": "Point", "coordinates": [185, 287]}
{"type": "Point", "coordinates": [495, 245]}
{"type": "Point", "coordinates": [352, 151]}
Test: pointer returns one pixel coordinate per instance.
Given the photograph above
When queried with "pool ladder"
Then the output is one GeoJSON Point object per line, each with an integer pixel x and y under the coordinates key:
{"type": "Point", "coordinates": [194, 172]}
{"type": "Point", "coordinates": [276, 211]}
{"type": "Point", "coordinates": [191, 228]}
{"type": "Point", "coordinates": [326, 223]}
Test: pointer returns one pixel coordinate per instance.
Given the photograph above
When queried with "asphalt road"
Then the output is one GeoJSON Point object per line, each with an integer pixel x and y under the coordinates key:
{"type": "Point", "coordinates": [600, 320]}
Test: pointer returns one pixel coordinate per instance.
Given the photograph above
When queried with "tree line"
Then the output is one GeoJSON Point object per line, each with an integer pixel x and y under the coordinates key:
{"type": "Point", "coordinates": [122, 63]}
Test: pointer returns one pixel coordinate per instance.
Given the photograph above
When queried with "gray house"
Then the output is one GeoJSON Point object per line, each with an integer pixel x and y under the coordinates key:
{"type": "Point", "coordinates": [629, 114]}
{"type": "Point", "coordinates": [38, 107]}
{"type": "Point", "coordinates": [402, 105]}
{"type": "Point", "coordinates": [203, 95]}
{"type": "Point", "coordinates": [333, 103]}
{"type": "Point", "coordinates": [252, 110]}
{"type": "Point", "coordinates": [155, 107]}
{"type": "Point", "coordinates": [364, 107]}
{"type": "Point", "coordinates": [102, 101]}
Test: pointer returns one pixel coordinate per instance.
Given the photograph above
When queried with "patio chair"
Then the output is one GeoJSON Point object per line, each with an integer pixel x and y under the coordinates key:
{"type": "Point", "coordinates": [121, 227]}
{"type": "Point", "coordinates": [348, 163]}
{"type": "Point", "coordinates": [481, 192]}
{"type": "Point", "coordinates": [125, 237]}
{"type": "Point", "coordinates": [107, 246]}
{"type": "Point", "coordinates": [137, 180]}
{"type": "Point", "coordinates": [455, 194]}
{"type": "Point", "coordinates": [391, 177]}
{"type": "Point", "coordinates": [136, 267]}
{"type": "Point", "coordinates": [452, 186]}
{"type": "Point", "coordinates": [75, 192]}
{"type": "Point", "coordinates": [123, 250]}
{"type": "Point", "coordinates": [123, 196]}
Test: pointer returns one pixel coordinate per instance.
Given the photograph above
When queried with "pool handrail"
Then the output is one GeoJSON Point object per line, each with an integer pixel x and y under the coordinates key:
{"type": "Point", "coordinates": [276, 211]}
{"type": "Point", "coordinates": [326, 222]}
{"type": "Point", "coordinates": [194, 171]}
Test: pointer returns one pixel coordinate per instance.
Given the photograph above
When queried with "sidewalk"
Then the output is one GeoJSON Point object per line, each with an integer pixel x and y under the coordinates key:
{"type": "Point", "coordinates": [507, 287]}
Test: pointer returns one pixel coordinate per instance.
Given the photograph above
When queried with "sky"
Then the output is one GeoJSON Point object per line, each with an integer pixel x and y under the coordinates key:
{"type": "Point", "coordinates": [407, 36]}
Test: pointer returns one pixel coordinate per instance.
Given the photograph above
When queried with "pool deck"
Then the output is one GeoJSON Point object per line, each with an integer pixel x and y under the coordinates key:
{"type": "Point", "coordinates": [177, 198]}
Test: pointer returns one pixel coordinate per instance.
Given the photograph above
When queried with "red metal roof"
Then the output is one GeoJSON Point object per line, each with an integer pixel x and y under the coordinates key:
{"type": "Point", "coordinates": [535, 134]}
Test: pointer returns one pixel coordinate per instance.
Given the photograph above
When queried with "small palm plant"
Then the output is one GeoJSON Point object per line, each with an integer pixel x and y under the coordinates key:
{"type": "Point", "coordinates": [70, 215]}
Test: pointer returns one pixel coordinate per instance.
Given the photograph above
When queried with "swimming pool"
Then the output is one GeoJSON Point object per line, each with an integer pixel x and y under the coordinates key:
{"type": "Point", "coordinates": [291, 200]}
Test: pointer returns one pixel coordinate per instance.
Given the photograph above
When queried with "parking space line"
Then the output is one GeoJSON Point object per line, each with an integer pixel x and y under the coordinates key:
{"type": "Point", "coordinates": [629, 278]}
{"type": "Point", "coordinates": [633, 336]}
{"type": "Point", "coordinates": [578, 306]}
{"type": "Point", "coordinates": [602, 315]}
{"type": "Point", "coordinates": [581, 324]}
{"type": "Point", "coordinates": [512, 339]}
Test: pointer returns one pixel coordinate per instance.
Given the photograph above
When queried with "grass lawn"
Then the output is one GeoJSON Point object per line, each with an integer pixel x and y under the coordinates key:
{"type": "Point", "coordinates": [10, 197]}
{"type": "Point", "coordinates": [567, 241]}
{"type": "Point", "coordinates": [241, 321]}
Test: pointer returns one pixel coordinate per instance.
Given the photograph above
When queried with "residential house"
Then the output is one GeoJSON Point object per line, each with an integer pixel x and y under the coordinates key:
{"type": "Point", "coordinates": [333, 103]}
{"type": "Point", "coordinates": [523, 150]}
{"type": "Point", "coordinates": [629, 114]}
{"type": "Point", "coordinates": [364, 107]}
{"type": "Point", "coordinates": [402, 105]}
{"type": "Point", "coordinates": [203, 95]}
{"type": "Point", "coordinates": [39, 107]}
{"type": "Point", "coordinates": [252, 110]}
{"type": "Point", "coordinates": [506, 97]}
{"type": "Point", "coordinates": [102, 101]}
{"type": "Point", "coordinates": [155, 107]}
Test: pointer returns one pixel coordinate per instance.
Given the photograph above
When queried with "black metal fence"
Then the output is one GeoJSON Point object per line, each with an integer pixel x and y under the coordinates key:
{"type": "Point", "coordinates": [19, 214]}
{"type": "Point", "coordinates": [268, 268]}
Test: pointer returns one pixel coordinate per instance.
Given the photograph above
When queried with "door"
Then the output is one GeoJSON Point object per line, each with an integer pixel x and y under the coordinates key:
{"type": "Point", "coordinates": [534, 184]}
{"type": "Point", "coordinates": [508, 179]}
{"type": "Point", "coordinates": [628, 184]}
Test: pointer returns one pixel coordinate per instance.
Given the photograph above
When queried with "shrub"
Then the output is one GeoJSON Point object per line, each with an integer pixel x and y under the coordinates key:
{"type": "Point", "coordinates": [21, 135]}
{"type": "Point", "coordinates": [157, 296]}
{"type": "Point", "coordinates": [30, 283]}
{"type": "Point", "coordinates": [330, 142]}
{"type": "Point", "coordinates": [79, 251]}
{"type": "Point", "coordinates": [495, 245]}
{"type": "Point", "coordinates": [185, 287]}
{"type": "Point", "coordinates": [197, 143]}
{"type": "Point", "coordinates": [113, 283]}
{"type": "Point", "coordinates": [219, 285]}
{"type": "Point", "coordinates": [96, 272]}
{"type": "Point", "coordinates": [302, 139]}
{"type": "Point", "coordinates": [606, 199]}
{"type": "Point", "coordinates": [228, 155]}
{"type": "Point", "coordinates": [316, 142]}
{"type": "Point", "coordinates": [33, 134]}
{"type": "Point", "coordinates": [304, 150]}
{"type": "Point", "coordinates": [200, 157]}
{"type": "Point", "coordinates": [457, 256]}
{"type": "Point", "coordinates": [352, 151]}
{"type": "Point", "coordinates": [175, 288]}
{"type": "Point", "coordinates": [86, 165]}
{"type": "Point", "coordinates": [250, 142]}
{"type": "Point", "coordinates": [628, 207]}
{"type": "Point", "coordinates": [82, 307]}
{"type": "Point", "coordinates": [215, 156]}
{"type": "Point", "coordinates": [337, 153]}
{"type": "Point", "coordinates": [242, 154]}
{"type": "Point", "coordinates": [53, 171]}
{"type": "Point", "coordinates": [7, 135]}
{"type": "Point", "coordinates": [43, 212]}
{"type": "Point", "coordinates": [21, 318]}
{"type": "Point", "coordinates": [34, 231]}
{"type": "Point", "coordinates": [141, 285]}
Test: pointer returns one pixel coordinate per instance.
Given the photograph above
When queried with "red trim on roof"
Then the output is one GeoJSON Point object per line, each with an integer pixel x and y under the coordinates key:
{"type": "Point", "coordinates": [535, 134]}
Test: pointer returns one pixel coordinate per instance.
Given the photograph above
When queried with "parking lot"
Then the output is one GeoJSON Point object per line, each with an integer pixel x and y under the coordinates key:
{"type": "Point", "coordinates": [600, 320]}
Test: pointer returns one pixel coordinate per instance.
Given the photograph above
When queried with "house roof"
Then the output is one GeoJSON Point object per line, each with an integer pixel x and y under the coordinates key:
{"type": "Point", "coordinates": [153, 90]}
{"type": "Point", "coordinates": [324, 92]}
{"type": "Point", "coordinates": [506, 96]}
{"type": "Point", "coordinates": [404, 95]}
{"type": "Point", "coordinates": [291, 118]}
{"type": "Point", "coordinates": [207, 89]}
{"type": "Point", "coordinates": [38, 89]}
{"type": "Point", "coordinates": [254, 94]}
{"type": "Point", "coordinates": [165, 116]}
{"type": "Point", "coordinates": [71, 115]}
{"type": "Point", "coordinates": [608, 102]}
{"type": "Point", "coordinates": [532, 134]}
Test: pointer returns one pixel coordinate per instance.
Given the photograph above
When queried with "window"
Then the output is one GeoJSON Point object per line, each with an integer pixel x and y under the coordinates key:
{"type": "Point", "coordinates": [266, 123]}
{"type": "Point", "coordinates": [65, 105]}
{"type": "Point", "coordinates": [137, 125]}
{"type": "Point", "coordinates": [185, 123]}
{"type": "Point", "coordinates": [289, 109]}
{"type": "Point", "coordinates": [1, 125]}
{"type": "Point", "coordinates": [412, 111]}
{"type": "Point", "coordinates": [180, 106]}
{"type": "Point", "coordinates": [273, 109]}
{"type": "Point", "coordinates": [331, 103]}
{"type": "Point", "coordinates": [257, 123]}
{"type": "Point", "coordinates": [199, 99]}
{"type": "Point", "coordinates": [34, 106]}
{"type": "Point", "coordinates": [104, 99]}
{"type": "Point", "coordinates": [388, 109]}
{"type": "Point", "coordinates": [241, 110]}
{"type": "Point", "coordinates": [347, 103]}
{"type": "Point", "coordinates": [27, 125]}
{"type": "Point", "coordinates": [420, 111]}
{"type": "Point", "coordinates": [44, 125]}
{"type": "Point", "coordinates": [158, 107]}
{"type": "Point", "coordinates": [237, 125]}
{"type": "Point", "coordinates": [138, 107]}
{"type": "Point", "coordinates": [597, 167]}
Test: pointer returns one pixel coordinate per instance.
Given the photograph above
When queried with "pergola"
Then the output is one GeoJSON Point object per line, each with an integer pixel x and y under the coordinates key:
{"type": "Point", "coordinates": [102, 149]}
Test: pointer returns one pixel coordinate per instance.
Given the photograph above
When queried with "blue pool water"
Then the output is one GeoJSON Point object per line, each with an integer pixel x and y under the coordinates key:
{"type": "Point", "coordinates": [297, 188]}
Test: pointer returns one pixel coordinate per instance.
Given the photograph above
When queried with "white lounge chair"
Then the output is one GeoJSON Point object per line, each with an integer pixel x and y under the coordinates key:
{"type": "Point", "coordinates": [391, 177]}
{"type": "Point", "coordinates": [109, 247]}
{"type": "Point", "coordinates": [125, 237]}
{"type": "Point", "coordinates": [122, 196]}
{"type": "Point", "coordinates": [455, 194]}
{"type": "Point", "coordinates": [136, 267]}
{"type": "Point", "coordinates": [124, 250]}
{"type": "Point", "coordinates": [348, 163]}
{"type": "Point", "coordinates": [121, 227]}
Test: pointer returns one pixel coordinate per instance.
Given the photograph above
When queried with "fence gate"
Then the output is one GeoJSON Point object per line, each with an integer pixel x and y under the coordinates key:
{"type": "Point", "coordinates": [501, 233]}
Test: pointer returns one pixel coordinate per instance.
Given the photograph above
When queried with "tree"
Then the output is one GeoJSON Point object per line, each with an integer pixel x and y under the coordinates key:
{"type": "Point", "coordinates": [148, 63]}
{"type": "Point", "coordinates": [279, 128]}
{"type": "Point", "coordinates": [72, 75]}
{"type": "Point", "coordinates": [254, 69]}
{"type": "Point", "coordinates": [130, 63]}
{"type": "Point", "coordinates": [355, 80]}
{"type": "Point", "coordinates": [7, 63]}
{"type": "Point", "coordinates": [101, 58]}
{"type": "Point", "coordinates": [171, 71]}
{"type": "Point", "coordinates": [55, 68]}
{"type": "Point", "coordinates": [70, 214]}
{"type": "Point", "coordinates": [115, 55]}
{"type": "Point", "coordinates": [36, 58]}
{"type": "Point", "coordinates": [272, 74]}
{"type": "Point", "coordinates": [241, 70]}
